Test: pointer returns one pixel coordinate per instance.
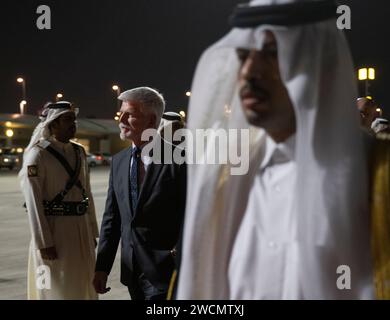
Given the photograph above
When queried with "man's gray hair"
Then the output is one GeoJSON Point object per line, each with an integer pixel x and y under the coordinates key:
{"type": "Point", "coordinates": [148, 97]}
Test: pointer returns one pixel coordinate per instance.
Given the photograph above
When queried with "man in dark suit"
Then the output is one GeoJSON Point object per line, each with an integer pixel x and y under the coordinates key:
{"type": "Point", "coordinates": [145, 205]}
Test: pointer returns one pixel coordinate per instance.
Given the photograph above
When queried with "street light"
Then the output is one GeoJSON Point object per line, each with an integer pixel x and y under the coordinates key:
{"type": "Point", "coordinates": [23, 83]}
{"type": "Point", "coordinates": [188, 93]}
{"type": "Point", "coordinates": [9, 133]}
{"type": "Point", "coordinates": [182, 113]}
{"type": "Point", "coordinates": [371, 73]}
{"type": "Point", "coordinates": [117, 116]}
{"type": "Point", "coordinates": [362, 74]}
{"type": "Point", "coordinates": [59, 96]}
{"type": "Point", "coordinates": [366, 74]}
{"type": "Point", "coordinates": [117, 89]}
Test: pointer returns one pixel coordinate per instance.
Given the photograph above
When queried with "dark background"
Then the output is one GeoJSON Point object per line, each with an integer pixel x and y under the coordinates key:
{"type": "Point", "coordinates": [95, 44]}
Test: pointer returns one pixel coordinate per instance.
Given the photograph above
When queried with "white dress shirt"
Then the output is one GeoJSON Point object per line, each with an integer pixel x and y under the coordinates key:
{"type": "Point", "coordinates": [263, 263]}
{"type": "Point", "coordinates": [146, 160]}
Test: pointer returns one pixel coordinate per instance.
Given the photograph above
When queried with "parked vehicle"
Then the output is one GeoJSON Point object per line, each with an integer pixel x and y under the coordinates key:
{"type": "Point", "coordinates": [105, 156]}
{"type": "Point", "coordinates": [10, 157]}
{"type": "Point", "coordinates": [94, 160]}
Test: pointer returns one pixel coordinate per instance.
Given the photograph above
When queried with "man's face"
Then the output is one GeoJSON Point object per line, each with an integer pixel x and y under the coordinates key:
{"type": "Point", "coordinates": [368, 113]}
{"type": "Point", "coordinates": [135, 119]}
{"type": "Point", "coordinates": [64, 127]}
{"type": "Point", "coordinates": [265, 100]}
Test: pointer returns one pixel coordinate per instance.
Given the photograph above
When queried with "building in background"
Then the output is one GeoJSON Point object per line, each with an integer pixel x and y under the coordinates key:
{"type": "Point", "coordinates": [96, 135]}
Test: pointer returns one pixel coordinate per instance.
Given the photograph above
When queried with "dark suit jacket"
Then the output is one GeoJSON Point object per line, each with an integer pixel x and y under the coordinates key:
{"type": "Point", "coordinates": [151, 232]}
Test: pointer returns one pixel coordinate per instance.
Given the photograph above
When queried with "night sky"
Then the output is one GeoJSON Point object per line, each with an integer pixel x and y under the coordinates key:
{"type": "Point", "coordinates": [95, 44]}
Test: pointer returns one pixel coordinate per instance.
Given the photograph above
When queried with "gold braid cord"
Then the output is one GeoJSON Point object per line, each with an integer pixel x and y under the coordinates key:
{"type": "Point", "coordinates": [380, 209]}
{"type": "Point", "coordinates": [172, 285]}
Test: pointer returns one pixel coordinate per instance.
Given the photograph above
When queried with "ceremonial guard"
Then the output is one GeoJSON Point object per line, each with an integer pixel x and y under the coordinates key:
{"type": "Point", "coordinates": [55, 183]}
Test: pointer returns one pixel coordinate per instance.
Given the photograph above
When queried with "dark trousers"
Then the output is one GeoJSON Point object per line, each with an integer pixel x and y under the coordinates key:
{"type": "Point", "coordinates": [142, 289]}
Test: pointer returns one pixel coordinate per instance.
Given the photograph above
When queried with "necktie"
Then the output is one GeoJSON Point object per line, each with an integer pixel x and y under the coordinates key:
{"type": "Point", "coordinates": [135, 156]}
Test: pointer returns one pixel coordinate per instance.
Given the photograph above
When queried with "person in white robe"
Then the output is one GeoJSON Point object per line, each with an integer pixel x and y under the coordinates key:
{"type": "Point", "coordinates": [62, 250]}
{"type": "Point", "coordinates": [296, 225]}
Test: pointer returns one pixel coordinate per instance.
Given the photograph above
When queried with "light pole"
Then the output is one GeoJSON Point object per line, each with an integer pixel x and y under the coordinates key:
{"type": "Point", "coordinates": [182, 113]}
{"type": "Point", "coordinates": [366, 74]}
{"type": "Point", "coordinates": [117, 89]}
{"type": "Point", "coordinates": [59, 96]}
{"type": "Point", "coordinates": [22, 106]}
{"type": "Point", "coordinates": [23, 83]}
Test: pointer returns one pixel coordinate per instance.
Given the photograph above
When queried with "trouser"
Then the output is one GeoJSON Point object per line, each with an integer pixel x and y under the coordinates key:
{"type": "Point", "coordinates": [142, 289]}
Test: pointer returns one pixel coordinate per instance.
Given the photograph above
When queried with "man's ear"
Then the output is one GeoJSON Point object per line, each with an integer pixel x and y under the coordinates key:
{"type": "Point", "coordinates": [53, 125]}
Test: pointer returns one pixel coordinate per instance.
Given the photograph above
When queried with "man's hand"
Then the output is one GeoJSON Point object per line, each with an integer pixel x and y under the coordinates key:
{"type": "Point", "coordinates": [100, 282]}
{"type": "Point", "coordinates": [49, 253]}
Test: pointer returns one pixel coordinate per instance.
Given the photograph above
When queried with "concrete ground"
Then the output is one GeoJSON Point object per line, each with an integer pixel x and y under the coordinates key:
{"type": "Point", "coordinates": [15, 236]}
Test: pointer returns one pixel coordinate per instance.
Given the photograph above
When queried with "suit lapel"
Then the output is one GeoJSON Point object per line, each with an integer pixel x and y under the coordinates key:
{"type": "Point", "coordinates": [151, 177]}
{"type": "Point", "coordinates": [124, 179]}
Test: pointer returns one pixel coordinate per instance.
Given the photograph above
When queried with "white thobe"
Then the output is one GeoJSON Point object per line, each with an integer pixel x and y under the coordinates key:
{"type": "Point", "coordinates": [264, 262]}
{"type": "Point", "coordinates": [73, 237]}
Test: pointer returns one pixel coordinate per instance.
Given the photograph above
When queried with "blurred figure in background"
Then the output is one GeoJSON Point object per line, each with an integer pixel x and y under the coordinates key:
{"type": "Point", "coordinates": [367, 110]}
{"type": "Point", "coordinates": [170, 123]}
{"type": "Point", "coordinates": [371, 116]}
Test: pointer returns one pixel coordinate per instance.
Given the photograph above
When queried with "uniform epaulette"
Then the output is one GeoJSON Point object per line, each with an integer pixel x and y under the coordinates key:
{"type": "Point", "coordinates": [43, 144]}
{"type": "Point", "coordinates": [76, 143]}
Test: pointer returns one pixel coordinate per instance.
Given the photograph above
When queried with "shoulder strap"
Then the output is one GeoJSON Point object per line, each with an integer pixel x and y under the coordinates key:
{"type": "Point", "coordinates": [75, 178]}
{"type": "Point", "coordinates": [72, 174]}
